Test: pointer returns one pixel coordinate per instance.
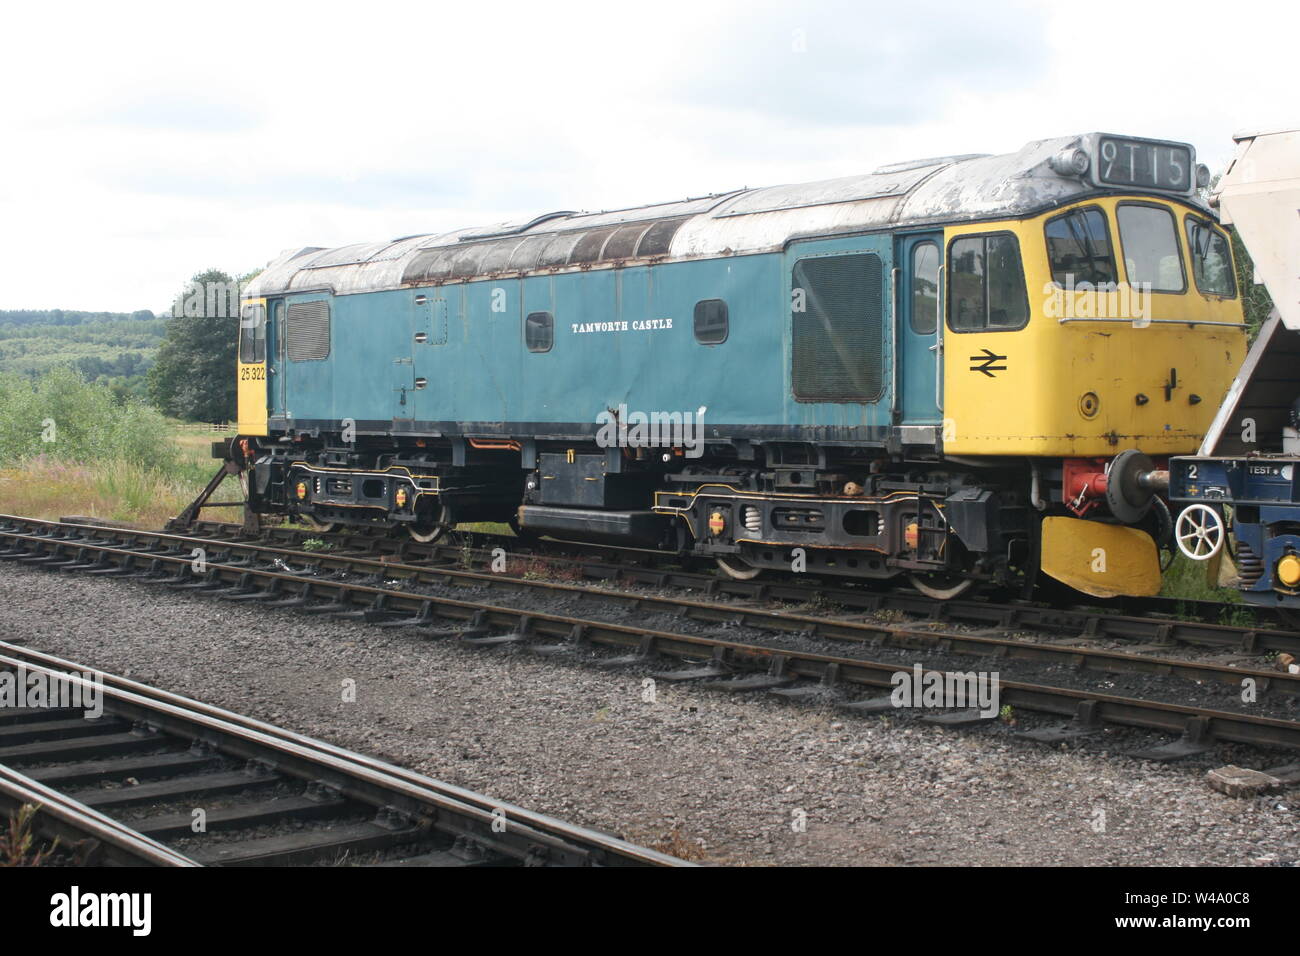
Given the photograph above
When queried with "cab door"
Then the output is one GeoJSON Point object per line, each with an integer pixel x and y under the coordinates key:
{"type": "Point", "coordinates": [920, 328]}
{"type": "Point", "coordinates": [251, 384]}
{"type": "Point", "coordinates": [277, 369]}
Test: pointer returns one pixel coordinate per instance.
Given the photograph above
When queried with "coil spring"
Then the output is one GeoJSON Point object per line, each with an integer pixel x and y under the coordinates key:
{"type": "Point", "coordinates": [1250, 566]}
{"type": "Point", "coordinates": [752, 519]}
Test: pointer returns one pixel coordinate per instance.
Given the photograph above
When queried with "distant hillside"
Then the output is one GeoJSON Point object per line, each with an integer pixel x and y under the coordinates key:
{"type": "Point", "coordinates": [114, 347]}
{"type": "Point", "coordinates": [68, 316]}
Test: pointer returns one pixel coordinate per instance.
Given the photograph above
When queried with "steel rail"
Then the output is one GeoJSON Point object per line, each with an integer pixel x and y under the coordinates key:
{"type": "Point", "coordinates": [367, 780]}
{"type": "Point", "coordinates": [70, 821]}
{"type": "Point", "coordinates": [828, 669]}
{"type": "Point", "coordinates": [1176, 620]}
{"type": "Point", "coordinates": [214, 716]}
{"type": "Point", "coordinates": [874, 633]}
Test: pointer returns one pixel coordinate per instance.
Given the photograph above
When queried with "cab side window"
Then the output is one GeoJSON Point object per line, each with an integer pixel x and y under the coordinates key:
{"type": "Point", "coordinates": [986, 284]}
{"type": "Point", "coordinates": [1078, 249]}
{"type": "Point", "coordinates": [252, 334]}
{"type": "Point", "coordinates": [1211, 260]}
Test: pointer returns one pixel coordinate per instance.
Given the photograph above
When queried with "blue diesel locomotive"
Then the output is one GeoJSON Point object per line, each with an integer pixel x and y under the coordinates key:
{"type": "Point", "coordinates": [955, 370]}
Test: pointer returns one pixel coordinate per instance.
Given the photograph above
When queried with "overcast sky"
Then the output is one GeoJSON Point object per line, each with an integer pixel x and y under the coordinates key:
{"type": "Point", "coordinates": [142, 143]}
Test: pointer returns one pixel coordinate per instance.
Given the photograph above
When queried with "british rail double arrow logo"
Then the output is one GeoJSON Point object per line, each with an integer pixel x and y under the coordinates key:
{"type": "Point", "coordinates": [984, 363]}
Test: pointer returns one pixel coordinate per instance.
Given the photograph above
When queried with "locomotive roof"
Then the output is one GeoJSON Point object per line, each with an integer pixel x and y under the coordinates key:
{"type": "Point", "coordinates": [948, 189]}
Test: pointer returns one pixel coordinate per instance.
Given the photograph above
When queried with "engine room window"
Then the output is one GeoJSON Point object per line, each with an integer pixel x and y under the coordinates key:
{"type": "Point", "coordinates": [925, 288]}
{"type": "Point", "coordinates": [1150, 243]}
{"type": "Point", "coordinates": [252, 334]}
{"type": "Point", "coordinates": [986, 284]}
{"type": "Point", "coordinates": [711, 322]}
{"type": "Point", "coordinates": [307, 331]}
{"type": "Point", "coordinates": [539, 331]}
{"type": "Point", "coordinates": [837, 328]}
{"type": "Point", "coordinates": [1211, 260]}
{"type": "Point", "coordinates": [1078, 249]}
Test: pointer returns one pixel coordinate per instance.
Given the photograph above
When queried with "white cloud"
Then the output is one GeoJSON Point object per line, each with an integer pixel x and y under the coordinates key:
{"type": "Point", "coordinates": [145, 142]}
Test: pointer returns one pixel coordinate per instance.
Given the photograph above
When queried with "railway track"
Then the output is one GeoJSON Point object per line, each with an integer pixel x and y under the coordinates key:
{"type": "Point", "coordinates": [158, 779]}
{"type": "Point", "coordinates": [1086, 628]}
{"type": "Point", "coordinates": [792, 658]}
{"type": "Point", "coordinates": [1156, 620]}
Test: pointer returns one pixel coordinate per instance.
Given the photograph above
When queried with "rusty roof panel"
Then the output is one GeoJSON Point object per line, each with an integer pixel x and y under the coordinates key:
{"type": "Point", "coordinates": [512, 228]}
{"type": "Point", "coordinates": [347, 255]}
{"type": "Point", "coordinates": [845, 189]}
{"type": "Point", "coordinates": [465, 262]}
{"type": "Point", "coordinates": [921, 192]}
{"type": "Point", "coordinates": [589, 246]}
{"type": "Point", "coordinates": [525, 255]}
{"type": "Point", "coordinates": [622, 244]}
{"type": "Point", "coordinates": [496, 255]}
{"type": "Point", "coordinates": [657, 240]}
{"type": "Point", "coordinates": [555, 254]}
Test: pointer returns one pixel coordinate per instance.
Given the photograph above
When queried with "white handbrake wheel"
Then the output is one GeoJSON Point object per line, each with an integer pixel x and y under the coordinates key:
{"type": "Point", "coordinates": [1199, 532]}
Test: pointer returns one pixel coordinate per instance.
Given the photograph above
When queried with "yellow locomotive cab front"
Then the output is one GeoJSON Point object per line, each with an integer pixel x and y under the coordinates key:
{"type": "Point", "coordinates": [1128, 336]}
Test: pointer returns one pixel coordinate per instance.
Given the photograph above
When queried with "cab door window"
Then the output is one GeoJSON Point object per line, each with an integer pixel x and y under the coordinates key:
{"type": "Point", "coordinates": [925, 288]}
{"type": "Point", "coordinates": [986, 284]}
{"type": "Point", "coordinates": [252, 334]}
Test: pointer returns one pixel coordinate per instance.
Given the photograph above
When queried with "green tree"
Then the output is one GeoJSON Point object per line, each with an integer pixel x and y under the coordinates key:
{"type": "Point", "coordinates": [1255, 300]}
{"type": "Point", "coordinates": [1256, 303]}
{"type": "Point", "coordinates": [194, 375]}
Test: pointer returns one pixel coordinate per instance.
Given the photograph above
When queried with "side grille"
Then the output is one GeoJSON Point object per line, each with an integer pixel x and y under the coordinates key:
{"type": "Point", "coordinates": [307, 331]}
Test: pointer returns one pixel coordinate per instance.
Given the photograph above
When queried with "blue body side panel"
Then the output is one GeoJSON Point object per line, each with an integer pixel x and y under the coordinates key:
{"type": "Point", "coordinates": [478, 370]}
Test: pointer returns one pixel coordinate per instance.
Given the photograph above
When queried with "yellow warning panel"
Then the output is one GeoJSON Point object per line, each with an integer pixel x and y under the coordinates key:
{"type": "Point", "coordinates": [1103, 560]}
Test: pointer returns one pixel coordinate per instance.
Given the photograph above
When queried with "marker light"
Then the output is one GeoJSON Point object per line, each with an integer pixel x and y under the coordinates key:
{"type": "Point", "coordinates": [1070, 162]}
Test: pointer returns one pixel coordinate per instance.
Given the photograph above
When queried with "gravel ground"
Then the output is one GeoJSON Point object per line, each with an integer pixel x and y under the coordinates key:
{"type": "Point", "coordinates": [725, 778]}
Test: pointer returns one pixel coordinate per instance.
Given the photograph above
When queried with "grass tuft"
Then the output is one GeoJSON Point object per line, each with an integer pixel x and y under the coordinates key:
{"type": "Point", "coordinates": [19, 845]}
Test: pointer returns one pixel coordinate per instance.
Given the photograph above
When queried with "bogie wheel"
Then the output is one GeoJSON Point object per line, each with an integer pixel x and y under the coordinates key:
{"type": "Point", "coordinates": [324, 527]}
{"type": "Point", "coordinates": [1200, 532]}
{"type": "Point", "coordinates": [430, 523]}
{"type": "Point", "coordinates": [425, 533]}
{"type": "Point", "coordinates": [941, 587]}
{"type": "Point", "coordinates": [736, 567]}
